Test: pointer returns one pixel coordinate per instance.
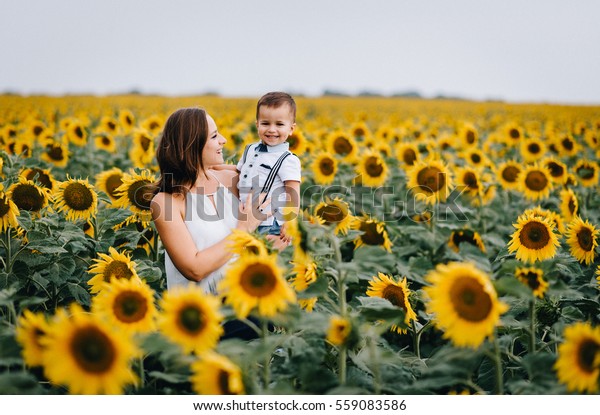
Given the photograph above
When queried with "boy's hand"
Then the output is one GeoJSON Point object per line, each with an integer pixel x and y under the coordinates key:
{"type": "Point", "coordinates": [284, 238]}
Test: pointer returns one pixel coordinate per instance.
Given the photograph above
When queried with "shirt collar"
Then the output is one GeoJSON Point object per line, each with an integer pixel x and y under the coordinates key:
{"type": "Point", "coordinates": [279, 148]}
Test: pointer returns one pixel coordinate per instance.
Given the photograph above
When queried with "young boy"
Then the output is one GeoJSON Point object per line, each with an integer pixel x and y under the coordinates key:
{"type": "Point", "coordinates": [268, 166]}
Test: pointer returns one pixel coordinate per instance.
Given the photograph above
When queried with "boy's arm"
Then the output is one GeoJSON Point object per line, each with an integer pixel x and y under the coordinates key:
{"type": "Point", "coordinates": [292, 197]}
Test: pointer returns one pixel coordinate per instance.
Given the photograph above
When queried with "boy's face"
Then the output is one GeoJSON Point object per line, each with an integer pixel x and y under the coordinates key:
{"type": "Point", "coordinates": [275, 124]}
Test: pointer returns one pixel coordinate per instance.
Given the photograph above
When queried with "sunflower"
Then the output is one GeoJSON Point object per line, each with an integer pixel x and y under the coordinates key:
{"type": "Point", "coordinates": [396, 292]}
{"type": "Point", "coordinates": [43, 177]}
{"type": "Point", "coordinates": [304, 269]}
{"type": "Point", "coordinates": [8, 213]}
{"type": "Point", "coordinates": [534, 239]}
{"type": "Point", "coordinates": [256, 282]}
{"type": "Point", "coordinates": [465, 235]}
{"type": "Point", "coordinates": [508, 173]}
{"type": "Point", "coordinates": [374, 233]}
{"type": "Point", "coordinates": [190, 318]}
{"type": "Point", "coordinates": [339, 330]}
{"type": "Point", "coordinates": [582, 238]}
{"type": "Point", "coordinates": [109, 181]}
{"type": "Point", "coordinates": [244, 243]}
{"type": "Point", "coordinates": [307, 304]}
{"type": "Point", "coordinates": [56, 153]}
{"type": "Point", "coordinates": [154, 123]}
{"type": "Point", "coordinates": [407, 153]}
{"type": "Point", "coordinates": [569, 206]}
{"type": "Point", "coordinates": [108, 125]}
{"type": "Point", "coordinates": [554, 217]}
{"type": "Point", "coordinates": [468, 181]}
{"type": "Point", "coordinates": [86, 355]}
{"type": "Point", "coordinates": [566, 145]}
{"type": "Point", "coordinates": [464, 302]}
{"type": "Point", "coordinates": [297, 142]}
{"type": "Point", "coordinates": [534, 182]}
{"type": "Point", "coordinates": [598, 275]}
{"type": "Point", "coordinates": [117, 265]}
{"type": "Point", "coordinates": [77, 198]}
{"type": "Point", "coordinates": [27, 195]}
{"type": "Point", "coordinates": [534, 279]}
{"type": "Point", "coordinates": [106, 142]}
{"type": "Point", "coordinates": [76, 133]}
{"type": "Point", "coordinates": [341, 144]}
{"type": "Point", "coordinates": [142, 150]}
{"type": "Point", "coordinates": [513, 133]}
{"type": "Point", "coordinates": [126, 120]}
{"type": "Point", "coordinates": [214, 374]}
{"type": "Point", "coordinates": [335, 212]}
{"type": "Point", "coordinates": [324, 168]}
{"type": "Point", "coordinates": [475, 157]}
{"type": "Point", "coordinates": [430, 181]}
{"type": "Point", "coordinates": [592, 138]}
{"type": "Point", "coordinates": [578, 362]}
{"type": "Point", "coordinates": [558, 170]}
{"type": "Point", "coordinates": [127, 304]}
{"type": "Point", "coordinates": [468, 135]}
{"type": "Point", "coordinates": [532, 149]}
{"type": "Point", "coordinates": [586, 172]}
{"type": "Point", "coordinates": [136, 193]}
{"type": "Point", "coordinates": [29, 331]}
{"type": "Point", "coordinates": [372, 169]}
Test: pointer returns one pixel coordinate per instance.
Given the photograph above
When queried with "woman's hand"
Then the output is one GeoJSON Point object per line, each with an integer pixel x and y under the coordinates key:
{"type": "Point", "coordinates": [278, 242]}
{"type": "Point", "coordinates": [251, 213]}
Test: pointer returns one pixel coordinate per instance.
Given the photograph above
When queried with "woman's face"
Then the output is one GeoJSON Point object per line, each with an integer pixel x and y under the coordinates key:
{"type": "Point", "coordinates": [212, 154]}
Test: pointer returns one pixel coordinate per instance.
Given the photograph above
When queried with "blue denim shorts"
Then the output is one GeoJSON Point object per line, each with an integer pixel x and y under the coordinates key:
{"type": "Point", "coordinates": [274, 229]}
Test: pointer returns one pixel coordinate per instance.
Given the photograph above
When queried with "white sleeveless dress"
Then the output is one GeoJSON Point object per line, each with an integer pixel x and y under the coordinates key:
{"type": "Point", "coordinates": [207, 226]}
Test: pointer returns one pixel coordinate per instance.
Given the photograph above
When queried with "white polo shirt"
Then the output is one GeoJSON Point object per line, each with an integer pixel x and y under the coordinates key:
{"type": "Point", "coordinates": [256, 169]}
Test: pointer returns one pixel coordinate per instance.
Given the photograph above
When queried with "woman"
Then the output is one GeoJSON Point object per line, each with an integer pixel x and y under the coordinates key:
{"type": "Point", "coordinates": [196, 208]}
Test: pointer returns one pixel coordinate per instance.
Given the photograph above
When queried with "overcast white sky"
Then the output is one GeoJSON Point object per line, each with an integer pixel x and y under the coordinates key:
{"type": "Point", "coordinates": [517, 50]}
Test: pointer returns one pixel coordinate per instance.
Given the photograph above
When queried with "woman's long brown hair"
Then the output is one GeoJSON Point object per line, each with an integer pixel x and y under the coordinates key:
{"type": "Point", "coordinates": [179, 152]}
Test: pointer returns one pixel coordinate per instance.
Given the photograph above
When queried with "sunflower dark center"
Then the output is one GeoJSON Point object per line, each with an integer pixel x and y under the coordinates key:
{"type": "Point", "coordinates": [106, 141]}
{"type": "Point", "coordinates": [572, 206]}
{"type": "Point", "coordinates": [326, 166]}
{"type": "Point", "coordinates": [78, 196]}
{"type": "Point", "coordinates": [117, 269]}
{"type": "Point", "coordinates": [394, 295]}
{"type": "Point", "coordinates": [470, 179]}
{"type": "Point", "coordinates": [588, 351]}
{"type": "Point", "coordinates": [78, 132]}
{"type": "Point", "coordinates": [140, 194]}
{"type": "Point", "coordinates": [293, 141]}
{"type": "Point", "coordinates": [154, 125]}
{"type": "Point", "coordinates": [112, 183]}
{"type": "Point", "coordinates": [585, 239]}
{"type": "Point", "coordinates": [37, 130]}
{"type": "Point", "coordinates": [359, 132]}
{"type": "Point", "coordinates": [258, 280]}
{"type": "Point", "coordinates": [586, 172]}
{"type": "Point", "coordinates": [130, 306]}
{"type": "Point", "coordinates": [470, 137]}
{"type": "Point", "coordinates": [534, 148]}
{"type": "Point", "coordinates": [373, 166]}
{"type": "Point", "coordinates": [567, 143]}
{"type": "Point", "coordinates": [532, 279]}
{"type": "Point", "coordinates": [42, 177]}
{"type": "Point", "coordinates": [536, 180]}
{"type": "Point", "coordinates": [514, 133]}
{"type": "Point", "coordinates": [111, 125]}
{"type": "Point", "coordinates": [371, 235]}
{"type": "Point", "coordinates": [470, 300]}
{"type": "Point", "coordinates": [145, 142]}
{"type": "Point", "coordinates": [332, 213]}
{"type": "Point", "coordinates": [4, 206]}
{"type": "Point", "coordinates": [55, 152]}
{"type": "Point", "coordinates": [409, 156]}
{"type": "Point", "coordinates": [431, 179]}
{"type": "Point", "coordinates": [28, 197]}
{"type": "Point", "coordinates": [464, 236]}
{"type": "Point", "coordinates": [556, 170]}
{"type": "Point", "coordinates": [93, 350]}
{"type": "Point", "coordinates": [223, 381]}
{"type": "Point", "coordinates": [510, 173]}
{"type": "Point", "coordinates": [534, 235]}
{"type": "Point", "coordinates": [191, 319]}
{"type": "Point", "coordinates": [342, 146]}
{"type": "Point", "coordinates": [475, 158]}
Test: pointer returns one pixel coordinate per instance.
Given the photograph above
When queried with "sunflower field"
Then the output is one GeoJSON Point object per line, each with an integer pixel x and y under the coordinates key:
{"type": "Point", "coordinates": [443, 247]}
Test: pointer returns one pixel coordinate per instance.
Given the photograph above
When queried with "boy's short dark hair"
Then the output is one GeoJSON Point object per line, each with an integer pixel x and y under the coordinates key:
{"type": "Point", "coordinates": [277, 99]}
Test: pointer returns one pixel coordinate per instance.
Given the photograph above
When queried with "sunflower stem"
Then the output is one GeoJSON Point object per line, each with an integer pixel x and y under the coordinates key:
{"type": "Point", "coordinates": [342, 364]}
{"type": "Point", "coordinates": [498, 363]}
{"type": "Point", "coordinates": [142, 373]}
{"type": "Point", "coordinates": [266, 368]}
{"type": "Point", "coordinates": [375, 360]}
{"type": "Point", "coordinates": [532, 325]}
{"type": "Point", "coordinates": [482, 226]}
{"type": "Point", "coordinates": [7, 244]}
